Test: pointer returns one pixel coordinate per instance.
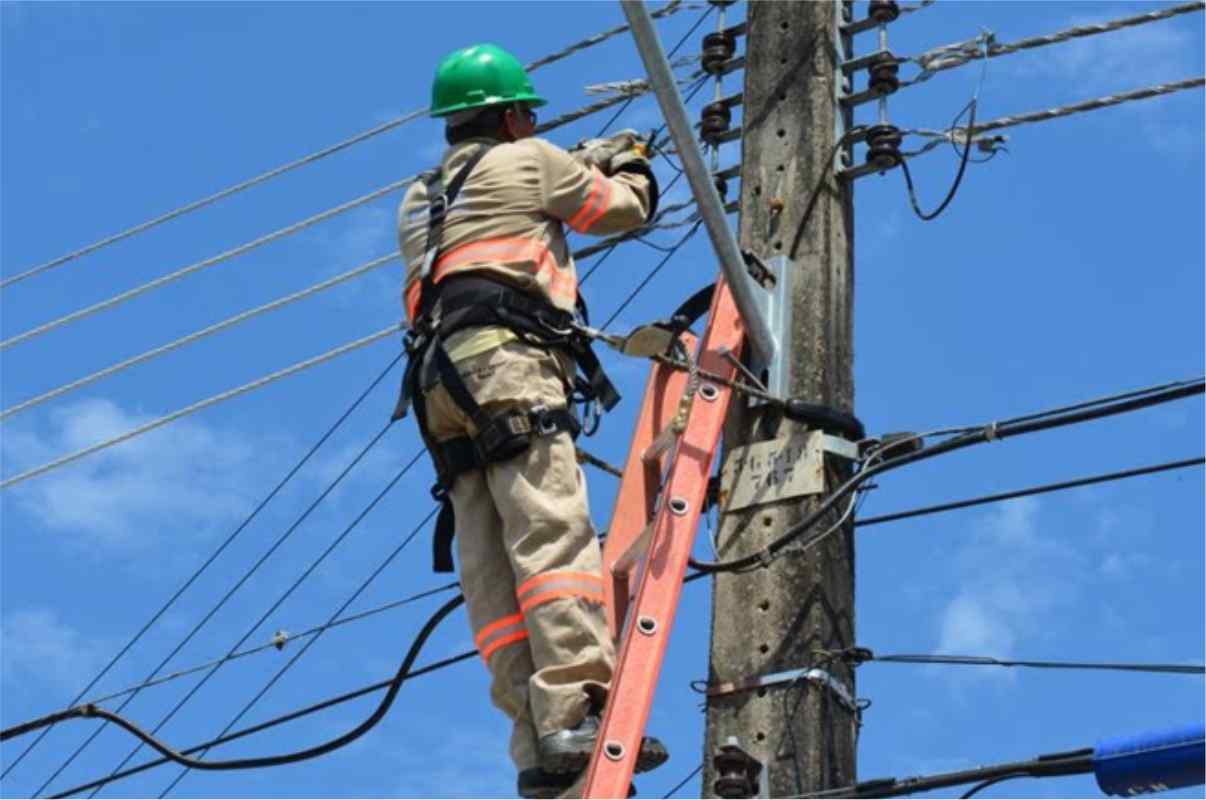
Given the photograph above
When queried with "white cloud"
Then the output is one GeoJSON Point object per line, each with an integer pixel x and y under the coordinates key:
{"type": "Point", "coordinates": [36, 646]}
{"type": "Point", "coordinates": [185, 474]}
{"type": "Point", "coordinates": [1014, 578]}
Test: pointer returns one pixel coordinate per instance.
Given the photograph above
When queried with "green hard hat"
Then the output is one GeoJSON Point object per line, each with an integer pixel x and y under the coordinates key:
{"type": "Point", "coordinates": [479, 76]}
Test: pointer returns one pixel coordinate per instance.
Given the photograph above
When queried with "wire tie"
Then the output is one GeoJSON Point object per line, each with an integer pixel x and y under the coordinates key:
{"type": "Point", "coordinates": [280, 639]}
{"type": "Point", "coordinates": [990, 432]}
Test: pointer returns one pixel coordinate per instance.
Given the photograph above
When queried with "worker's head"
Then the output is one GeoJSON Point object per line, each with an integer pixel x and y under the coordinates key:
{"type": "Point", "coordinates": [483, 90]}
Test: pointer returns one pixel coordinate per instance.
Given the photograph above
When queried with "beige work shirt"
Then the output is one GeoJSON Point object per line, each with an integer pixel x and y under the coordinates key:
{"type": "Point", "coordinates": [509, 221]}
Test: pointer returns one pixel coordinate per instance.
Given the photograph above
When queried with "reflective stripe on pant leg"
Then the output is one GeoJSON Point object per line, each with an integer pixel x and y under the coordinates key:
{"type": "Point", "coordinates": [500, 633]}
{"type": "Point", "coordinates": [555, 585]}
{"type": "Point", "coordinates": [541, 497]}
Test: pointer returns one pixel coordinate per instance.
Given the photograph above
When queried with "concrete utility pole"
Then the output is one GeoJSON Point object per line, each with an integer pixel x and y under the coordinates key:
{"type": "Point", "coordinates": [771, 619]}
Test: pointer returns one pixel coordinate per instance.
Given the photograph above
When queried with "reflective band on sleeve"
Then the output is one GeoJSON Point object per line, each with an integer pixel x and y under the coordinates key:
{"type": "Point", "coordinates": [500, 633]}
{"type": "Point", "coordinates": [595, 204]}
{"type": "Point", "coordinates": [555, 585]}
{"type": "Point", "coordinates": [601, 210]}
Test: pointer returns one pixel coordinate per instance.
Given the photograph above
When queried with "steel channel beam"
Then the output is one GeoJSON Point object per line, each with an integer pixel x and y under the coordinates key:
{"type": "Point", "coordinates": [724, 242]}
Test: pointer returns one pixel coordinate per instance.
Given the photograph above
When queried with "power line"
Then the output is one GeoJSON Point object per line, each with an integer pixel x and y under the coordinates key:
{"type": "Point", "coordinates": [247, 574]}
{"type": "Point", "coordinates": [205, 263]}
{"type": "Point", "coordinates": [288, 230]}
{"type": "Point", "coordinates": [276, 644]}
{"type": "Point", "coordinates": [258, 383]}
{"type": "Point", "coordinates": [665, 11]}
{"type": "Point", "coordinates": [201, 334]}
{"type": "Point", "coordinates": [683, 782]}
{"type": "Point", "coordinates": [987, 433]}
{"type": "Point", "coordinates": [330, 621]}
{"type": "Point", "coordinates": [309, 570]}
{"type": "Point", "coordinates": [289, 717]}
{"type": "Point", "coordinates": [652, 273]}
{"type": "Point", "coordinates": [1033, 490]}
{"type": "Point", "coordinates": [989, 661]}
{"type": "Point", "coordinates": [950, 56]}
{"type": "Point", "coordinates": [198, 572]}
{"type": "Point", "coordinates": [969, 135]}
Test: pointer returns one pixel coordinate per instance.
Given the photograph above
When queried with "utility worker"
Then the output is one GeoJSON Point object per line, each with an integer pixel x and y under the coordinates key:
{"type": "Point", "coordinates": [491, 292]}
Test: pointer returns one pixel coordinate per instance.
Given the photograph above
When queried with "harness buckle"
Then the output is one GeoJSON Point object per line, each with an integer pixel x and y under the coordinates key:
{"type": "Point", "coordinates": [545, 424]}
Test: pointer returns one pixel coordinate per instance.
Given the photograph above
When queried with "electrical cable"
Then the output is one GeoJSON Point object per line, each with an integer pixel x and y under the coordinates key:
{"type": "Point", "coordinates": [989, 661]}
{"type": "Point", "coordinates": [969, 134]}
{"type": "Point", "coordinates": [1074, 762]}
{"type": "Point", "coordinates": [302, 755]}
{"type": "Point", "coordinates": [258, 383]}
{"type": "Point", "coordinates": [197, 266]}
{"type": "Point", "coordinates": [956, 55]}
{"type": "Point", "coordinates": [277, 644]}
{"type": "Point", "coordinates": [972, 792]}
{"type": "Point", "coordinates": [652, 273]}
{"type": "Point", "coordinates": [289, 717]}
{"type": "Point", "coordinates": [200, 334]}
{"type": "Point", "coordinates": [213, 556]}
{"type": "Point", "coordinates": [305, 648]}
{"type": "Point", "coordinates": [247, 574]}
{"type": "Point", "coordinates": [309, 570]}
{"type": "Point", "coordinates": [1033, 490]}
{"type": "Point", "coordinates": [988, 433]}
{"type": "Point", "coordinates": [280, 233]}
{"type": "Point", "coordinates": [965, 156]}
{"type": "Point", "coordinates": [683, 782]}
{"type": "Point", "coordinates": [665, 11]}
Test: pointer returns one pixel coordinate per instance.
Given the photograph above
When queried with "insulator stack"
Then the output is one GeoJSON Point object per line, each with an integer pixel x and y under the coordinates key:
{"type": "Point", "coordinates": [714, 120]}
{"type": "Point", "coordinates": [883, 76]}
{"type": "Point", "coordinates": [718, 48]}
{"type": "Point", "coordinates": [883, 146]}
{"type": "Point", "coordinates": [883, 11]}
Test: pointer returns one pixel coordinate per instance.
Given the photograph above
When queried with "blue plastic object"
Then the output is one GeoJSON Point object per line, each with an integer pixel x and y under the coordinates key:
{"type": "Point", "coordinates": [1154, 761]}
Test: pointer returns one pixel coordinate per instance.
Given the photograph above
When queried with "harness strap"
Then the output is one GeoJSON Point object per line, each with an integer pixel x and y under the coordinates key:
{"type": "Point", "coordinates": [439, 200]}
{"type": "Point", "coordinates": [464, 454]}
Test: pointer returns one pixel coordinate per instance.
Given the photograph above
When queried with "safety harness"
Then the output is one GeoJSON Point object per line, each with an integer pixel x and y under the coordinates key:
{"type": "Point", "coordinates": [474, 300]}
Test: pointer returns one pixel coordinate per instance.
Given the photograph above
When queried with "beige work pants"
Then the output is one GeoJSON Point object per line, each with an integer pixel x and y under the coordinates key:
{"type": "Point", "coordinates": [530, 564]}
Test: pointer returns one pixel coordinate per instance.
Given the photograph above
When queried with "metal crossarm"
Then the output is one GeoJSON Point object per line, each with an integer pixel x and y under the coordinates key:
{"type": "Point", "coordinates": [644, 620]}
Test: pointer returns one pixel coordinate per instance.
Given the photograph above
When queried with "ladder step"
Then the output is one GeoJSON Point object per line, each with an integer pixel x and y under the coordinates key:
{"type": "Point", "coordinates": [663, 441]}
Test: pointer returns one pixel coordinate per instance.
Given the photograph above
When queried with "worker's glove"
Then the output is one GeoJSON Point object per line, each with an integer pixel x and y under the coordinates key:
{"type": "Point", "coordinates": [635, 160]}
{"type": "Point", "coordinates": [600, 152]}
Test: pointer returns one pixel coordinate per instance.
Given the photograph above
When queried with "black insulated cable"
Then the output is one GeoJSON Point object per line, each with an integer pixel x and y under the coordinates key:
{"type": "Point", "coordinates": [986, 433]}
{"type": "Point", "coordinates": [197, 573]}
{"type": "Point", "coordinates": [1033, 490]}
{"type": "Point", "coordinates": [309, 570]}
{"type": "Point", "coordinates": [364, 727]}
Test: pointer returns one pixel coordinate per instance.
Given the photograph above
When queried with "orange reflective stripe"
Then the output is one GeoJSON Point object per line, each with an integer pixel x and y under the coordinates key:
{"type": "Point", "coordinates": [544, 597]}
{"type": "Point", "coordinates": [509, 249]}
{"type": "Point", "coordinates": [412, 299]}
{"type": "Point", "coordinates": [493, 627]}
{"type": "Point", "coordinates": [596, 189]}
{"type": "Point", "coordinates": [494, 646]}
{"type": "Point", "coordinates": [601, 210]}
{"type": "Point", "coordinates": [538, 580]}
{"type": "Point", "coordinates": [504, 249]}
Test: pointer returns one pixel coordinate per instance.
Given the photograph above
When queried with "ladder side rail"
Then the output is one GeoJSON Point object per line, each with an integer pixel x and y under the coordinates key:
{"type": "Point", "coordinates": [635, 499]}
{"type": "Point", "coordinates": [652, 614]}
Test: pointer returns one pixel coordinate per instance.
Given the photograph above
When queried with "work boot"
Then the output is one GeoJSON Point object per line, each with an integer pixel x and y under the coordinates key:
{"type": "Point", "coordinates": [570, 750]}
{"type": "Point", "coordinates": [537, 783]}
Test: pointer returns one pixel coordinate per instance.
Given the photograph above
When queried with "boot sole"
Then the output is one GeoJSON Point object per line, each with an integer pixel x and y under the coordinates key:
{"type": "Point", "coordinates": [653, 754]}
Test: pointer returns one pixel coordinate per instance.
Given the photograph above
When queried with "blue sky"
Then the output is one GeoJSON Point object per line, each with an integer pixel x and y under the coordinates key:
{"type": "Point", "coordinates": [1070, 268]}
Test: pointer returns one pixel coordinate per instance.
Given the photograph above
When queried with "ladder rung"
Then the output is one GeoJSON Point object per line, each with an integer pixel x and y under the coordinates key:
{"type": "Point", "coordinates": [635, 552]}
{"type": "Point", "coordinates": [663, 441]}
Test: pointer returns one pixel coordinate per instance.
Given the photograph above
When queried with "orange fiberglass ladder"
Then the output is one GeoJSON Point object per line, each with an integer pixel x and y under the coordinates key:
{"type": "Point", "coordinates": [677, 433]}
{"type": "Point", "coordinates": [651, 533]}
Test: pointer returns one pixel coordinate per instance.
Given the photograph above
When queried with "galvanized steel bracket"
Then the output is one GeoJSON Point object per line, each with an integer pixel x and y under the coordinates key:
{"type": "Point", "coordinates": [774, 304]}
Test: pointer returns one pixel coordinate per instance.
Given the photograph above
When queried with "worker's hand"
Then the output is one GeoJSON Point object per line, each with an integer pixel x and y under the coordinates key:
{"type": "Point", "coordinates": [602, 152]}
